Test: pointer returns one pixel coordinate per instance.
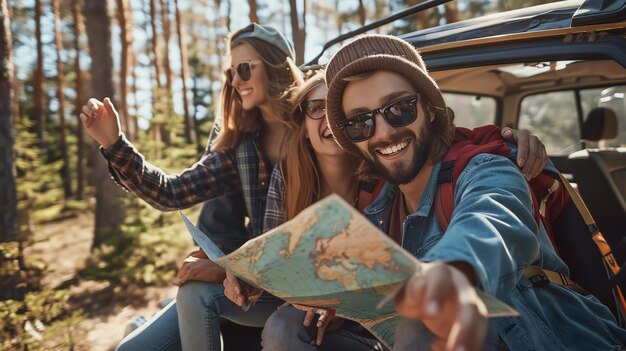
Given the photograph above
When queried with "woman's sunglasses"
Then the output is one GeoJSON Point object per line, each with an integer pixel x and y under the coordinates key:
{"type": "Point", "coordinates": [314, 109]}
{"type": "Point", "coordinates": [244, 71]}
{"type": "Point", "coordinates": [397, 114]}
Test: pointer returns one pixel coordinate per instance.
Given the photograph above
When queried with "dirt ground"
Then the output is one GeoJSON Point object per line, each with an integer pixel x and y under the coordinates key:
{"type": "Point", "coordinates": [64, 246]}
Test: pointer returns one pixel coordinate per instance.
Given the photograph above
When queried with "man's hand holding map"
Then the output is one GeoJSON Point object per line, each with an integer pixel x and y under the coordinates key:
{"type": "Point", "coordinates": [330, 257]}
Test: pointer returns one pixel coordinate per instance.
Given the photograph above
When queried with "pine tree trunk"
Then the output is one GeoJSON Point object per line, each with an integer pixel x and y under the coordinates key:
{"type": "Point", "coordinates": [298, 28]}
{"type": "Point", "coordinates": [338, 19]}
{"type": "Point", "coordinates": [219, 43]}
{"type": "Point", "coordinates": [451, 12]}
{"type": "Point", "coordinates": [155, 43]}
{"type": "Point", "coordinates": [156, 127]}
{"type": "Point", "coordinates": [253, 16]}
{"type": "Point", "coordinates": [362, 13]}
{"type": "Point", "coordinates": [80, 149]}
{"type": "Point", "coordinates": [165, 20]}
{"type": "Point", "coordinates": [15, 87]}
{"type": "Point", "coordinates": [379, 11]}
{"type": "Point", "coordinates": [123, 12]}
{"type": "Point", "coordinates": [8, 197]}
{"type": "Point", "coordinates": [38, 81]}
{"type": "Point", "coordinates": [133, 91]}
{"type": "Point", "coordinates": [190, 136]}
{"type": "Point", "coordinates": [109, 212]}
{"type": "Point", "coordinates": [229, 8]}
{"type": "Point", "coordinates": [58, 43]}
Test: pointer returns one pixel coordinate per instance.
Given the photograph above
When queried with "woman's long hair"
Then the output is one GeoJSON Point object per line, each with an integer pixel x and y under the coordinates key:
{"type": "Point", "coordinates": [281, 72]}
{"type": "Point", "coordinates": [299, 170]}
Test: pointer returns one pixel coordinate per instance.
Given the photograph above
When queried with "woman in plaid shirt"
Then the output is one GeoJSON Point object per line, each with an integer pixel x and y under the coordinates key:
{"type": "Point", "coordinates": [255, 111]}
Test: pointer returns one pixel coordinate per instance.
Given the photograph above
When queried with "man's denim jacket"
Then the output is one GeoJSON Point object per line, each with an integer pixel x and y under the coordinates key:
{"type": "Point", "coordinates": [494, 230]}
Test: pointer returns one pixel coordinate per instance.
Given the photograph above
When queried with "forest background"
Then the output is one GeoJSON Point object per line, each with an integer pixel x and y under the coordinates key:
{"type": "Point", "coordinates": [79, 258]}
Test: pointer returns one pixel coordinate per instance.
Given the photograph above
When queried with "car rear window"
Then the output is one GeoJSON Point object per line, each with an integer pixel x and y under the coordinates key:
{"type": "Point", "coordinates": [553, 116]}
{"type": "Point", "coordinates": [471, 111]}
{"type": "Point", "coordinates": [554, 119]}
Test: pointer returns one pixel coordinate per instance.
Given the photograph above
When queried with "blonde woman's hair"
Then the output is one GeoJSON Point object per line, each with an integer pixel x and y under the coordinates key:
{"type": "Point", "coordinates": [299, 170]}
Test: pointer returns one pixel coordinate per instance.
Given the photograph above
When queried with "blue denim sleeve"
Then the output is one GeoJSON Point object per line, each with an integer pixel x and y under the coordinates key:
{"type": "Point", "coordinates": [493, 226]}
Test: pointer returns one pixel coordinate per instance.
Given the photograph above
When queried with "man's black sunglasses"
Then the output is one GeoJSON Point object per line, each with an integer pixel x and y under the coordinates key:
{"type": "Point", "coordinates": [397, 114]}
{"type": "Point", "coordinates": [244, 70]}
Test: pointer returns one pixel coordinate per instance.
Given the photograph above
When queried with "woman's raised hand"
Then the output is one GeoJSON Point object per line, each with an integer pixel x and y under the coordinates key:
{"type": "Point", "coordinates": [101, 121]}
{"type": "Point", "coordinates": [531, 152]}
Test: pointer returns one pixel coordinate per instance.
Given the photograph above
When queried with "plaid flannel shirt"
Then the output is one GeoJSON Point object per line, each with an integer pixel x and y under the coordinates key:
{"type": "Point", "coordinates": [275, 214]}
{"type": "Point", "coordinates": [217, 173]}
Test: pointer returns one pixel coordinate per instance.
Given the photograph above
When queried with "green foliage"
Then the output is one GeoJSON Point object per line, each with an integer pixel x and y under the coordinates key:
{"type": "Point", "coordinates": [39, 187]}
{"type": "Point", "coordinates": [151, 243]}
{"type": "Point", "coordinates": [32, 317]}
{"type": "Point", "coordinates": [40, 321]}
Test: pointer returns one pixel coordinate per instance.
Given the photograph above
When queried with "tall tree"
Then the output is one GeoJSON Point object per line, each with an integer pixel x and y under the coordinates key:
{"type": "Point", "coordinates": [190, 136]}
{"type": "Point", "coordinates": [15, 84]}
{"type": "Point", "coordinates": [133, 91]}
{"type": "Point", "coordinates": [380, 7]}
{"type": "Point", "coordinates": [123, 11]}
{"type": "Point", "coordinates": [219, 44]}
{"type": "Point", "coordinates": [167, 33]}
{"type": "Point", "coordinates": [165, 21]}
{"type": "Point", "coordinates": [109, 212]}
{"type": "Point", "coordinates": [80, 150]}
{"type": "Point", "coordinates": [38, 81]}
{"type": "Point", "coordinates": [156, 127]}
{"type": "Point", "coordinates": [339, 20]}
{"type": "Point", "coordinates": [362, 13]}
{"type": "Point", "coordinates": [253, 15]}
{"type": "Point", "coordinates": [229, 10]}
{"type": "Point", "coordinates": [132, 64]}
{"type": "Point", "coordinates": [451, 12]}
{"type": "Point", "coordinates": [155, 43]}
{"type": "Point", "coordinates": [298, 28]}
{"type": "Point", "coordinates": [8, 197]}
{"type": "Point", "coordinates": [58, 44]}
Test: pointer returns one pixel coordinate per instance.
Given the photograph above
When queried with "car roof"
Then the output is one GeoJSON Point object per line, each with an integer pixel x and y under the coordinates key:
{"type": "Point", "coordinates": [542, 17]}
{"type": "Point", "coordinates": [556, 15]}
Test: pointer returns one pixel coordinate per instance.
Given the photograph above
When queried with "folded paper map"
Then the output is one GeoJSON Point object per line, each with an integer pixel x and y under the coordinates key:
{"type": "Point", "coordinates": [329, 256]}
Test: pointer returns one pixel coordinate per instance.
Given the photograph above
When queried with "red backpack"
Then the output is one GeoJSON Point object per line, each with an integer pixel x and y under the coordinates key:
{"type": "Point", "coordinates": [570, 227]}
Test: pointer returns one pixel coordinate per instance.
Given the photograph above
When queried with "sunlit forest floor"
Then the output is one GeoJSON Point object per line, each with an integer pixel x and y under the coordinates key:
{"type": "Point", "coordinates": [64, 245]}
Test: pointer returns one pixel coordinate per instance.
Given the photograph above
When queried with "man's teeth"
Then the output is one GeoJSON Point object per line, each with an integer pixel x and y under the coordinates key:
{"type": "Point", "coordinates": [393, 148]}
{"type": "Point", "coordinates": [245, 92]}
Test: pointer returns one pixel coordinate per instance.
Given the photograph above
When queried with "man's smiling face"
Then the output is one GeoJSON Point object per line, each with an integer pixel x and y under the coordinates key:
{"type": "Point", "coordinates": [396, 153]}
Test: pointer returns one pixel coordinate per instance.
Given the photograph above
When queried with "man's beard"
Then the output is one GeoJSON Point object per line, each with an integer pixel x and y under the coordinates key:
{"type": "Point", "coordinates": [403, 172]}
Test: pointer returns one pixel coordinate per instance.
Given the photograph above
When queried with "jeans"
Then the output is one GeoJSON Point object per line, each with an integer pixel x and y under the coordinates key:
{"type": "Point", "coordinates": [192, 322]}
{"type": "Point", "coordinates": [160, 333]}
{"type": "Point", "coordinates": [284, 331]}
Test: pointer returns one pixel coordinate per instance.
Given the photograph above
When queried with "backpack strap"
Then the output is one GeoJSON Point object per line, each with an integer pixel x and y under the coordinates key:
{"type": "Point", "coordinates": [444, 198]}
{"type": "Point", "coordinates": [368, 191]}
{"type": "Point", "coordinates": [467, 144]}
{"type": "Point", "coordinates": [542, 277]}
{"type": "Point", "coordinates": [598, 238]}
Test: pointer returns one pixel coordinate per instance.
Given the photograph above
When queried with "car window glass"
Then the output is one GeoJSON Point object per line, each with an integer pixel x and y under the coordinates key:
{"type": "Point", "coordinates": [471, 111]}
{"type": "Point", "coordinates": [613, 98]}
{"type": "Point", "coordinates": [553, 118]}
